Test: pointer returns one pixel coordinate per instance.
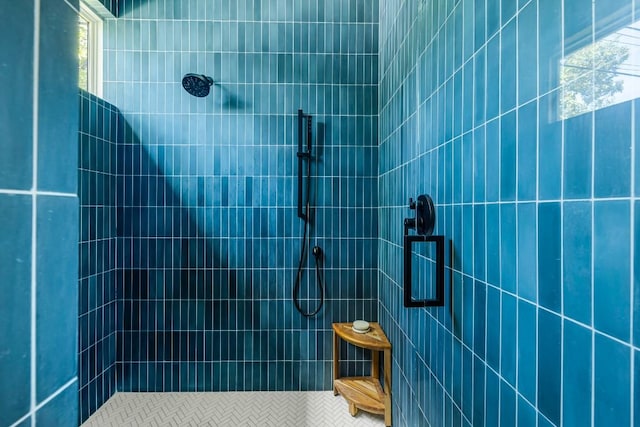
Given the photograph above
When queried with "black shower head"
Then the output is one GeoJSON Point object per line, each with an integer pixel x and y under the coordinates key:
{"type": "Point", "coordinates": [197, 84]}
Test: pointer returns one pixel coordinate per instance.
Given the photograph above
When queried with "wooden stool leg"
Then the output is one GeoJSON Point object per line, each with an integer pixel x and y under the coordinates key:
{"type": "Point", "coordinates": [336, 368]}
{"type": "Point", "coordinates": [353, 410]}
{"type": "Point", "coordinates": [387, 388]}
{"type": "Point", "coordinates": [375, 364]}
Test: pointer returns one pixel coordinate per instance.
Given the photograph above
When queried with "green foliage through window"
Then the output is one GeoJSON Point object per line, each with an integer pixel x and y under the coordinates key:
{"type": "Point", "coordinates": [83, 53]}
{"type": "Point", "coordinates": [601, 74]}
{"type": "Point", "coordinates": [591, 78]}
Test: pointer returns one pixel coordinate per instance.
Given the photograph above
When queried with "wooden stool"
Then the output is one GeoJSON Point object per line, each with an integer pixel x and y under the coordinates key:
{"type": "Point", "coordinates": [364, 393]}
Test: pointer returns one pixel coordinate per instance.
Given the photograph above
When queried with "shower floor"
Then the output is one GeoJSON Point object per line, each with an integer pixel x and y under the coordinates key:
{"type": "Point", "coordinates": [299, 409]}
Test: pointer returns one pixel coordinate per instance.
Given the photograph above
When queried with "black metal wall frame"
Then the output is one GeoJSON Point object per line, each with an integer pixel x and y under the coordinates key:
{"type": "Point", "coordinates": [440, 260]}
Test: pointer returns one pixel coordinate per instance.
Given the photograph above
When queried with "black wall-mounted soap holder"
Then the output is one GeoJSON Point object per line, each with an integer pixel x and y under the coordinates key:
{"type": "Point", "coordinates": [423, 223]}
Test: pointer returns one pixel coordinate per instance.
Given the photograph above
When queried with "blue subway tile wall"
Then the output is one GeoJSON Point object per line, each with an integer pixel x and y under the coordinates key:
{"type": "Point", "coordinates": [57, 162]}
{"type": "Point", "coordinates": [15, 306]}
{"type": "Point", "coordinates": [97, 327]}
{"type": "Point", "coordinates": [208, 238]}
{"type": "Point", "coordinates": [56, 363]}
{"type": "Point", "coordinates": [38, 201]}
{"type": "Point", "coordinates": [536, 188]}
{"type": "Point", "coordinates": [16, 162]}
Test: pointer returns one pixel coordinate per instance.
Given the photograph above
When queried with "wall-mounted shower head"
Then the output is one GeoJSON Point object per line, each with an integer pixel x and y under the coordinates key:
{"type": "Point", "coordinates": [197, 84]}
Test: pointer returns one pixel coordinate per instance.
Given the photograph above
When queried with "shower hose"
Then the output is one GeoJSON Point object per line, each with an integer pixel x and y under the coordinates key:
{"type": "Point", "coordinates": [317, 254]}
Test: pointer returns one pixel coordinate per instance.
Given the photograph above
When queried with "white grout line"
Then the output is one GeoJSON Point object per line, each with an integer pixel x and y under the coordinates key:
{"type": "Point", "coordinates": [593, 242]}
{"type": "Point", "coordinates": [561, 237]}
{"type": "Point", "coordinates": [537, 222]}
{"type": "Point", "coordinates": [35, 193]}
{"type": "Point", "coordinates": [56, 393]}
{"type": "Point", "coordinates": [632, 255]}
{"type": "Point", "coordinates": [34, 207]}
{"type": "Point", "coordinates": [21, 420]}
{"type": "Point", "coordinates": [75, 9]}
{"type": "Point", "coordinates": [517, 216]}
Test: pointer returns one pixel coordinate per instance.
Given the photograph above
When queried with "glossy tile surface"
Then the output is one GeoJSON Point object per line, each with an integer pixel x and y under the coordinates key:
{"type": "Point", "coordinates": [38, 214]}
{"type": "Point", "coordinates": [57, 285]}
{"type": "Point", "coordinates": [15, 306]}
{"type": "Point", "coordinates": [208, 238]}
{"type": "Point", "coordinates": [98, 147]}
{"type": "Point", "coordinates": [530, 158]}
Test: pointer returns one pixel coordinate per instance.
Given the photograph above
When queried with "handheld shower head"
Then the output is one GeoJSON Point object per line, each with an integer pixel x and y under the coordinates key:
{"type": "Point", "coordinates": [197, 84]}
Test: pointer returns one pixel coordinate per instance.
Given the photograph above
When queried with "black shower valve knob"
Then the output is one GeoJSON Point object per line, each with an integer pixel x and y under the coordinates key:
{"type": "Point", "coordinates": [410, 222]}
{"type": "Point", "coordinates": [412, 203]}
{"type": "Point", "coordinates": [425, 217]}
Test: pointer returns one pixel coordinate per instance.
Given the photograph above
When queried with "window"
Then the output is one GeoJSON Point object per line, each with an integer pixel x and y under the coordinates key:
{"type": "Point", "coordinates": [89, 50]}
{"type": "Point", "coordinates": [83, 52]}
{"type": "Point", "coordinates": [601, 66]}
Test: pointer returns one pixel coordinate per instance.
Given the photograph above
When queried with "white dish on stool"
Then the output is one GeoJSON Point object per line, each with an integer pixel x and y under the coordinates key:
{"type": "Point", "coordinates": [361, 326]}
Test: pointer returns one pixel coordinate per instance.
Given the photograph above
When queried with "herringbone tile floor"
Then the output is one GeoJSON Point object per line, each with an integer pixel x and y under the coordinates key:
{"type": "Point", "coordinates": [232, 409]}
